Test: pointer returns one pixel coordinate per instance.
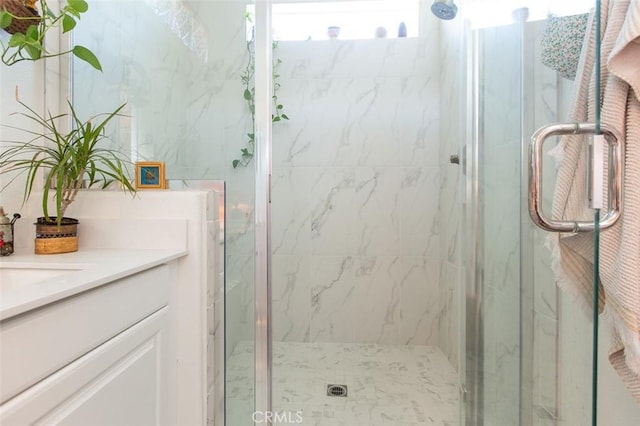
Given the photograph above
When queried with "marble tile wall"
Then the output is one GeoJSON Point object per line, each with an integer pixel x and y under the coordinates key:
{"type": "Point", "coordinates": [356, 190]}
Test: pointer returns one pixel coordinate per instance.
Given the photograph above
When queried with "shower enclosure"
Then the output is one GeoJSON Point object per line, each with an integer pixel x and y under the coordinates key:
{"type": "Point", "coordinates": [381, 267]}
{"type": "Point", "coordinates": [382, 248]}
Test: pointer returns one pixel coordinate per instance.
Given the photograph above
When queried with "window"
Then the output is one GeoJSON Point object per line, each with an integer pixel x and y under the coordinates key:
{"type": "Point", "coordinates": [344, 20]}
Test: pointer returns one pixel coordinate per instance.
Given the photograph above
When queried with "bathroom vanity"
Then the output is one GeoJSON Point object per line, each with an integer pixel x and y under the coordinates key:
{"type": "Point", "coordinates": [89, 337]}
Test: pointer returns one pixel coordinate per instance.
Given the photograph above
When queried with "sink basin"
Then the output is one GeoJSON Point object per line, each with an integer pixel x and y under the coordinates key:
{"type": "Point", "coordinates": [14, 275]}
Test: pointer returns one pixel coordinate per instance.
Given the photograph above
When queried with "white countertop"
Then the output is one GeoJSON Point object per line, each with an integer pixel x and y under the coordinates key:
{"type": "Point", "coordinates": [84, 270]}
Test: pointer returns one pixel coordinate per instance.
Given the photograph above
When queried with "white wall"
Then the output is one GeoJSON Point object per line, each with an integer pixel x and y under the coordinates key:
{"type": "Point", "coordinates": [28, 77]}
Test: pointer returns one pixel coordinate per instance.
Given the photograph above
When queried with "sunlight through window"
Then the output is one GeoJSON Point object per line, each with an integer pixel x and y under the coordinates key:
{"type": "Point", "coordinates": [344, 20]}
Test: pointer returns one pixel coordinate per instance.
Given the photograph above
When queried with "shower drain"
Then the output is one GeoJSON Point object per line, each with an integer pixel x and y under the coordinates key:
{"type": "Point", "coordinates": [337, 390]}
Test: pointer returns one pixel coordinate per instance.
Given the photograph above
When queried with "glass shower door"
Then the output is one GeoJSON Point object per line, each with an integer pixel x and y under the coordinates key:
{"type": "Point", "coordinates": [526, 340]}
{"type": "Point", "coordinates": [184, 95]}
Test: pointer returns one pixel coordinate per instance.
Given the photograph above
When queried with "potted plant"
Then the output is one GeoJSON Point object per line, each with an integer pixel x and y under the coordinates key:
{"type": "Point", "coordinates": [70, 160]}
{"type": "Point", "coordinates": [28, 28]}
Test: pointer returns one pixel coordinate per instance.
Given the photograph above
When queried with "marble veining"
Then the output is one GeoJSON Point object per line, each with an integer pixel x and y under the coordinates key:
{"type": "Point", "coordinates": [388, 385]}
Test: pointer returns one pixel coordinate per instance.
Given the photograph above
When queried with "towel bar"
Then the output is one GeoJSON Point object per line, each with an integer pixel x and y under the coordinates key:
{"type": "Point", "coordinates": [616, 155]}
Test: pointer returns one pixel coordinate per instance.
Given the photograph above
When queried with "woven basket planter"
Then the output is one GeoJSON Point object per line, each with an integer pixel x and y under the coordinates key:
{"type": "Point", "coordinates": [51, 239]}
{"type": "Point", "coordinates": [18, 8]}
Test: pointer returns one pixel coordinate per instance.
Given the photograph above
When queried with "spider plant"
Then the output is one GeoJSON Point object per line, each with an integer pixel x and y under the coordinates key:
{"type": "Point", "coordinates": [68, 159]}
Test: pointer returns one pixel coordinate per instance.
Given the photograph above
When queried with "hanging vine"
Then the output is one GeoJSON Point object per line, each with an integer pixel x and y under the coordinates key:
{"type": "Point", "coordinates": [249, 95]}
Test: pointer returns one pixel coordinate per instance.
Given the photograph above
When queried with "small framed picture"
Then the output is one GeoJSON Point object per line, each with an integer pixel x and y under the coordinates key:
{"type": "Point", "coordinates": [150, 175]}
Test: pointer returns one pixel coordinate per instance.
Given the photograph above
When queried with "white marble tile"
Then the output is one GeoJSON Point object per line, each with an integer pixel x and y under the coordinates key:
{"type": "Point", "coordinates": [337, 139]}
{"type": "Point", "coordinates": [545, 363]}
{"type": "Point", "coordinates": [239, 302]}
{"type": "Point", "coordinates": [398, 385]}
{"type": "Point", "coordinates": [417, 122]}
{"type": "Point", "coordinates": [367, 58]}
{"type": "Point", "coordinates": [574, 371]}
{"type": "Point", "coordinates": [501, 344]}
{"type": "Point", "coordinates": [545, 284]}
{"type": "Point", "coordinates": [419, 215]}
{"type": "Point", "coordinates": [419, 301]}
{"type": "Point", "coordinates": [449, 315]}
{"type": "Point", "coordinates": [291, 298]}
{"type": "Point", "coordinates": [220, 362]}
{"type": "Point", "coordinates": [378, 204]}
{"type": "Point", "coordinates": [354, 298]}
{"type": "Point", "coordinates": [333, 215]}
{"type": "Point", "coordinates": [292, 204]}
{"type": "Point", "coordinates": [450, 213]}
{"type": "Point", "coordinates": [373, 122]}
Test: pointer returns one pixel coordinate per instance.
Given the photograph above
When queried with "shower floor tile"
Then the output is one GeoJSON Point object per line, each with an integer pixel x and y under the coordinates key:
{"type": "Point", "coordinates": [387, 385]}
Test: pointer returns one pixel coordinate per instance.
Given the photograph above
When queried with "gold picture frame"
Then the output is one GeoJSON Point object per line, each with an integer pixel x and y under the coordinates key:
{"type": "Point", "coordinates": [150, 175]}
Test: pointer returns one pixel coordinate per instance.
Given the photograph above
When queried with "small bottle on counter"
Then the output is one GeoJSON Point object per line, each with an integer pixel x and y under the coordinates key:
{"type": "Point", "coordinates": [402, 30]}
{"type": "Point", "coordinates": [6, 234]}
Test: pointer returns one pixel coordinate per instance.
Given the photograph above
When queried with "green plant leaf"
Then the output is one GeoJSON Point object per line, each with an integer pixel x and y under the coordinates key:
{"type": "Point", "coordinates": [32, 33]}
{"type": "Point", "coordinates": [235, 163]}
{"type": "Point", "coordinates": [86, 55]}
{"type": "Point", "coordinates": [247, 94]}
{"type": "Point", "coordinates": [71, 11]}
{"type": "Point", "coordinates": [17, 39]}
{"type": "Point", "coordinates": [79, 5]}
{"type": "Point", "coordinates": [34, 51]}
{"type": "Point", "coordinates": [5, 19]}
{"type": "Point", "coordinates": [64, 157]}
{"type": "Point", "coordinates": [68, 23]}
{"type": "Point", "coordinates": [275, 118]}
{"type": "Point", "coordinates": [284, 116]}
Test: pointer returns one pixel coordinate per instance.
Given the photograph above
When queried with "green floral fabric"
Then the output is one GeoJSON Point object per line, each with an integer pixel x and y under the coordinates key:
{"type": "Point", "coordinates": [562, 42]}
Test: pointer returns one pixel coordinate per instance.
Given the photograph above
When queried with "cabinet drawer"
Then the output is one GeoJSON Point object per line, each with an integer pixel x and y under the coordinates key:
{"type": "Point", "coordinates": [39, 342]}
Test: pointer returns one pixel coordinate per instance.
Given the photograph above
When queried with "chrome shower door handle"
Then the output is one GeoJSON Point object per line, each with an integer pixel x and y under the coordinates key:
{"type": "Point", "coordinates": [614, 208]}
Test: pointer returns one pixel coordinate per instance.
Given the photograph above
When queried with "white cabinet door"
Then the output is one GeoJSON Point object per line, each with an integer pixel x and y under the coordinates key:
{"type": "Point", "coordinates": [42, 341]}
{"type": "Point", "coordinates": [128, 380]}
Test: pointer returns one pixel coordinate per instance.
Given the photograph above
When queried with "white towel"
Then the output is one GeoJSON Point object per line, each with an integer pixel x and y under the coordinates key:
{"type": "Point", "coordinates": [620, 245]}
